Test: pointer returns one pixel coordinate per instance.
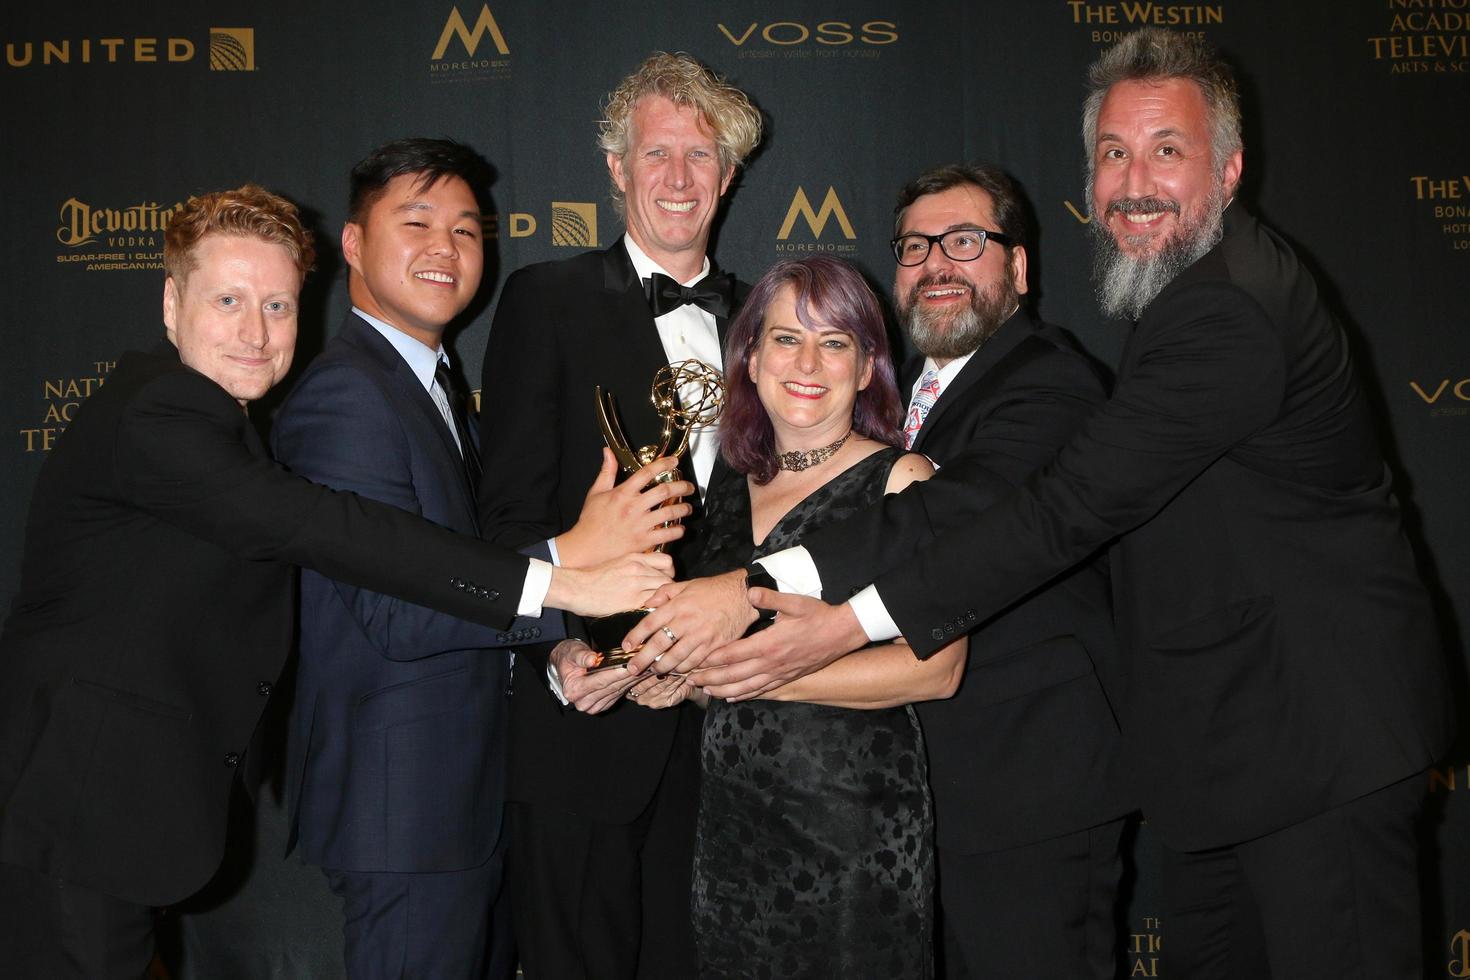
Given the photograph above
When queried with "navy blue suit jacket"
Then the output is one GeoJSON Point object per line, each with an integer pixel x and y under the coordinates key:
{"type": "Point", "coordinates": [397, 752]}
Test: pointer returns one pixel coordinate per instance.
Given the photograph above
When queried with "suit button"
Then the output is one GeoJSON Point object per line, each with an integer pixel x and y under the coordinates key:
{"type": "Point", "coordinates": [937, 634]}
{"type": "Point", "coordinates": [492, 595]}
{"type": "Point", "coordinates": [457, 583]}
{"type": "Point", "coordinates": [970, 615]}
{"type": "Point", "coordinates": [501, 637]}
{"type": "Point", "coordinates": [232, 759]}
{"type": "Point", "coordinates": [263, 689]}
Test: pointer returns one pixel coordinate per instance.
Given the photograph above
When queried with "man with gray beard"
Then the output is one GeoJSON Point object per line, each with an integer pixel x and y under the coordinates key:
{"type": "Point", "coordinates": [1285, 686]}
{"type": "Point", "coordinates": [1129, 278]}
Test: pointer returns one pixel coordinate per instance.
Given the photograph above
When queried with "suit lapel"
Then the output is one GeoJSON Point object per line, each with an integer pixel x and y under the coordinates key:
{"type": "Point", "coordinates": [634, 351]}
{"type": "Point", "coordinates": [737, 299]}
{"type": "Point", "coordinates": [992, 352]}
{"type": "Point", "coordinates": [426, 415]}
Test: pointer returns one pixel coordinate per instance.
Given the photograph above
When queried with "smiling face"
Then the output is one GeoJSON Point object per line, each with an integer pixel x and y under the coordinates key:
{"type": "Point", "coordinates": [1155, 180]}
{"type": "Point", "coordinates": [417, 257]}
{"type": "Point", "coordinates": [807, 379]}
{"type": "Point", "coordinates": [671, 180]}
{"type": "Point", "coordinates": [233, 317]}
{"type": "Point", "coordinates": [949, 308]}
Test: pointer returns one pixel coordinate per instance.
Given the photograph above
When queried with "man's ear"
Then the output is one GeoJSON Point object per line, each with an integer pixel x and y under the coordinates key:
{"type": "Point", "coordinates": [1018, 269]}
{"type": "Point", "coordinates": [1230, 173]}
{"type": "Point", "coordinates": [615, 168]}
{"type": "Point", "coordinates": [171, 308]}
{"type": "Point", "coordinates": [352, 246]}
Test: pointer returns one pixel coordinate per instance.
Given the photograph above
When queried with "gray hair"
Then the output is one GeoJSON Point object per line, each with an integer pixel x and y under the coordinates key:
{"type": "Point", "coordinates": [1154, 54]}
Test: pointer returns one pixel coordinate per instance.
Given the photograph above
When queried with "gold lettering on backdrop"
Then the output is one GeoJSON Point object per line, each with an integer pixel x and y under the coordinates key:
{"type": "Point", "coordinates": [1425, 36]}
{"type": "Point", "coordinates": [786, 33]}
{"type": "Point", "coordinates": [62, 397]}
{"type": "Point", "coordinates": [1459, 964]}
{"type": "Point", "coordinates": [1144, 949]}
{"type": "Point", "coordinates": [1445, 778]}
{"type": "Point", "coordinates": [455, 27]}
{"type": "Point", "coordinates": [109, 50]}
{"type": "Point", "coordinates": [522, 225]}
{"type": "Point", "coordinates": [1450, 188]}
{"type": "Point", "coordinates": [1446, 195]}
{"type": "Point", "coordinates": [81, 223]}
{"type": "Point", "coordinates": [1146, 13]}
{"type": "Point", "coordinates": [1459, 389]}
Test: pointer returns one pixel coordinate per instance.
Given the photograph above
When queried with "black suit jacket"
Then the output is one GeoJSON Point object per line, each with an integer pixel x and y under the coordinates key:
{"type": "Point", "coordinates": [154, 614]}
{"type": "Point", "coordinates": [1025, 749]}
{"type": "Point", "coordinates": [562, 329]}
{"type": "Point", "coordinates": [1281, 649]}
{"type": "Point", "coordinates": [400, 726]}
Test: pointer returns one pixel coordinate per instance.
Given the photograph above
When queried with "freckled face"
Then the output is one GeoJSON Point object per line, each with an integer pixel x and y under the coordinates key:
{"type": "Point", "coordinates": [233, 316]}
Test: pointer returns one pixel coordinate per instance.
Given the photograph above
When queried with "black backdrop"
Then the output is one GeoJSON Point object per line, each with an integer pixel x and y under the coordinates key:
{"type": "Point", "coordinates": [1357, 147]}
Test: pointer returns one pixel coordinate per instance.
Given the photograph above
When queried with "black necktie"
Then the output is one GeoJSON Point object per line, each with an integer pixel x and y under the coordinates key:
{"type": "Point", "coordinates": [711, 294]}
{"type": "Point", "coordinates": [458, 411]}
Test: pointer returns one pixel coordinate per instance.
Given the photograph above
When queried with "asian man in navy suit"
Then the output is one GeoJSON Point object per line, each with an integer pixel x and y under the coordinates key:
{"type": "Point", "coordinates": [397, 755]}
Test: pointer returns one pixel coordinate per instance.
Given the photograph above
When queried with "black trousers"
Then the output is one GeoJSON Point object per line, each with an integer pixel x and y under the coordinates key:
{"type": "Point", "coordinates": [53, 930]}
{"type": "Point", "coordinates": [598, 901]}
{"type": "Point", "coordinates": [1335, 896]}
{"type": "Point", "coordinates": [1037, 912]}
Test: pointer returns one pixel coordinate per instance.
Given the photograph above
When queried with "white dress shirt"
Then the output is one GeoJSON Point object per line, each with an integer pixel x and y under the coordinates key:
{"type": "Point", "coordinates": [688, 332]}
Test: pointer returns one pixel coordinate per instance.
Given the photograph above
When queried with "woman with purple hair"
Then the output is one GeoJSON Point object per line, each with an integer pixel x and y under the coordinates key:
{"type": "Point", "coordinates": [814, 853]}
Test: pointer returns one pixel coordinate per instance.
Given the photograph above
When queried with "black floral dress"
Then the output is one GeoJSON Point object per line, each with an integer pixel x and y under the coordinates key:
{"type": "Point", "coordinates": [814, 853]}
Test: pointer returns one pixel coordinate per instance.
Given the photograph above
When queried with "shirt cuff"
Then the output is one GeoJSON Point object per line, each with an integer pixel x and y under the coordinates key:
{"type": "Point", "coordinates": [873, 616]}
{"type": "Point", "coordinates": [553, 681]}
{"type": "Point", "coordinates": [533, 593]}
{"type": "Point", "coordinates": [555, 555]}
{"type": "Point", "coordinates": [794, 571]}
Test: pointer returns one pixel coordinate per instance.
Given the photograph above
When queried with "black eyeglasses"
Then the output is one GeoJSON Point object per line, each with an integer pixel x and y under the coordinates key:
{"type": "Point", "coordinates": [960, 244]}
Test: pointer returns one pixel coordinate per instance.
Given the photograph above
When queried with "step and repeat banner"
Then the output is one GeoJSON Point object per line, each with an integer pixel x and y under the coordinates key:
{"type": "Point", "coordinates": [1357, 127]}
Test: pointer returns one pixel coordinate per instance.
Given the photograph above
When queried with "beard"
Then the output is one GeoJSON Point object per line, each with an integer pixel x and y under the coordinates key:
{"type": "Point", "coordinates": [948, 334]}
{"type": "Point", "coordinates": [1127, 283]}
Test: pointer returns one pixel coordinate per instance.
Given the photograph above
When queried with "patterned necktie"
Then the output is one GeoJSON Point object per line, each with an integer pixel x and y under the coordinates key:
{"type": "Point", "coordinates": [459, 412]}
{"type": "Point", "coordinates": [924, 399]}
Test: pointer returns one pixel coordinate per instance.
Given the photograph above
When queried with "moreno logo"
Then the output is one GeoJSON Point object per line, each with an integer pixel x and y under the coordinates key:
{"type": "Point", "coordinates": [455, 27]}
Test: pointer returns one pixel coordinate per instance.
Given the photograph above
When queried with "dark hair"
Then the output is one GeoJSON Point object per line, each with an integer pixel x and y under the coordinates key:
{"type": "Point", "coordinates": [829, 290]}
{"type": "Point", "coordinates": [1005, 195]}
{"type": "Point", "coordinates": [432, 160]}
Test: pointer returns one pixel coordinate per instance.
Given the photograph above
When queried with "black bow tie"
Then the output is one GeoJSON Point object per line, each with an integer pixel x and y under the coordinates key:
{"type": "Point", "coordinates": [711, 294]}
